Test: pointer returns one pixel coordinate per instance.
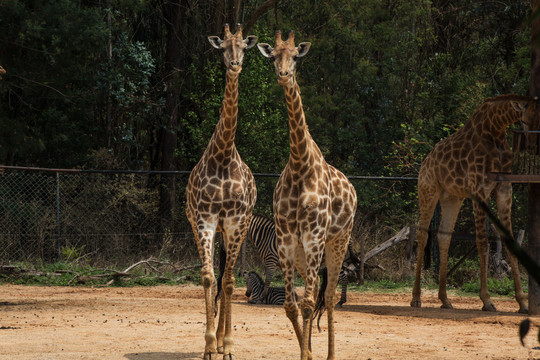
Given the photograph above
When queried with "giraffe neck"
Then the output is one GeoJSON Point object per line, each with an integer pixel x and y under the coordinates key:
{"type": "Point", "coordinates": [223, 137]}
{"type": "Point", "coordinates": [495, 118]}
{"type": "Point", "coordinates": [303, 148]}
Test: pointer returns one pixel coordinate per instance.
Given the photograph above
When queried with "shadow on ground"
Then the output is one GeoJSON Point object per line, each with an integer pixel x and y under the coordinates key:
{"type": "Point", "coordinates": [163, 356]}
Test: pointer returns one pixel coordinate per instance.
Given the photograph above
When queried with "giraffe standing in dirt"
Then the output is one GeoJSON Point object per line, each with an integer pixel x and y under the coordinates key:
{"type": "Point", "coordinates": [314, 205]}
{"type": "Point", "coordinates": [221, 194]}
{"type": "Point", "coordinates": [457, 168]}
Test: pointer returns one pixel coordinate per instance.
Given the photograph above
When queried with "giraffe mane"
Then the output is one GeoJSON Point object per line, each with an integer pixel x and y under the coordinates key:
{"type": "Point", "coordinates": [509, 97]}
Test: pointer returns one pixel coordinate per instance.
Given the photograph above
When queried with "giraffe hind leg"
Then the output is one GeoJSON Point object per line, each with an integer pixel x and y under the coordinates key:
{"type": "Point", "coordinates": [428, 199]}
{"type": "Point", "coordinates": [483, 250]}
{"type": "Point", "coordinates": [504, 208]}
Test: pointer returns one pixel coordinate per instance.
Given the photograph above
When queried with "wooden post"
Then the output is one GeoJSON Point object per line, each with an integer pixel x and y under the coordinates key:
{"type": "Point", "coordinates": [534, 189]}
{"type": "Point", "coordinates": [534, 245]}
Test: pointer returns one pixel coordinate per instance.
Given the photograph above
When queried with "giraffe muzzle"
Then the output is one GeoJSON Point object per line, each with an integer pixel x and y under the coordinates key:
{"type": "Point", "coordinates": [235, 69]}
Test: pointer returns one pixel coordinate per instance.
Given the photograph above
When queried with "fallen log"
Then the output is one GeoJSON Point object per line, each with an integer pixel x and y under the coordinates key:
{"type": "Point", "coordinates": [403, 234]}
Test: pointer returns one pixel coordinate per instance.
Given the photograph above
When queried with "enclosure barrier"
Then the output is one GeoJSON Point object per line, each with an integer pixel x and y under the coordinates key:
{"type": "Point", "coordinates": [112, 218]}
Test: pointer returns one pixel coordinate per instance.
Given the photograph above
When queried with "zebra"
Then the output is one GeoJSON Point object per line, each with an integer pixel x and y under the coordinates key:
{"type": "Point", "coordinates": [255, 286]}
{"type": "Point", "coordinates": [262, 233]}
{"type": "Point", "coordinates": [350, 266]}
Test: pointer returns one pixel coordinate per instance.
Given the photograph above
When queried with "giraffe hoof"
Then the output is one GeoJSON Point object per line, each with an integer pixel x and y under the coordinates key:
{"type": "Point", "coordinates": [416, 303]}
{"type": "Point", "coordinates": [447, 306]}
{"type": "Point", "coordinates": [210, 355]}
{"type": "Point", "coordinates": [228, 357]}
{"type": "Point", "coordinates": [524, 310]}
{"type": "Point", "coordinates": [489, 307]}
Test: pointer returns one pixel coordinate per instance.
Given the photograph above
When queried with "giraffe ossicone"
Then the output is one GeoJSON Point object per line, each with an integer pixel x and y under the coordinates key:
{"type": "Point", "coordinates": [221, 194]}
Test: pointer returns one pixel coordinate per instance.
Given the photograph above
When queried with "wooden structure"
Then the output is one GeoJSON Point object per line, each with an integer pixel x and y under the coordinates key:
{"type": "Point", "coordinates": [525, 159]}
{"type": "Point", "coordinates": [526, 170]}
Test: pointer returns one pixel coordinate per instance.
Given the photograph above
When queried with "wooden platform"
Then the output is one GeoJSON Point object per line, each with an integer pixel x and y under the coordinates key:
{"type": "Point", "coordinates": [514, 178]}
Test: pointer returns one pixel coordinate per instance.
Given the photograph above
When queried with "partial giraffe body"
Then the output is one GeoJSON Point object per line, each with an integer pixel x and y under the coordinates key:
{"type": "Point", "coordinates": [220, 195]}
{"type": "Point", "coordinates": [254, 289]}
{"type": "Point", "coordinates": [458, 168]}
{"type": "Point", "coordinates": [262, 234]}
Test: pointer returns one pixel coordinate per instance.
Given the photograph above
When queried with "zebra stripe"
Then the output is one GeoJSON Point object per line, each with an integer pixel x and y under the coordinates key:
{"type": "Point", "coordinates": [262, 233]}
{"type": "Point", "coordinates": [255, 284]}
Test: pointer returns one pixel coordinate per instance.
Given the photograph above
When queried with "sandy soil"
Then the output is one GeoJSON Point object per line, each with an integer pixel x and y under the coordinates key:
{"type": "Point", "coordinates": [167, 322]}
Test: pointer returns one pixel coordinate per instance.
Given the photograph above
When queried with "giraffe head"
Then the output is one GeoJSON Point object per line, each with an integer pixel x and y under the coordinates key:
{"type": "Point", "coordinates": [285, 55]}
{"type": "Point", "coordinates": [233, 47]}
{"type": "Point", "coordinates": [530, 119]}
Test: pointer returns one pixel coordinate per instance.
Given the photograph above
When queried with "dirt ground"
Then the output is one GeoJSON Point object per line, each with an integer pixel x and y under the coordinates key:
{"type": "Point", "coordinates": [166, 322]}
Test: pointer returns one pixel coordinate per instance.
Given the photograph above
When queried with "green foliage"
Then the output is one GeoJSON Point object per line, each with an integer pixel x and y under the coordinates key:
{"type": "Point", "coordinates": [504, 286]}
{"type": "Point", "coordinates": [52, 50]}
{"type": "Point", "coordinates": [466, 273]}
{"type": "Point", "coordinates": [71, 253]}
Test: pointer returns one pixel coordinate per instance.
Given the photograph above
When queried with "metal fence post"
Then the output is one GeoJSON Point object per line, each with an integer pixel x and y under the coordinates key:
{"type": "Point", "coordinates": [58, 226]}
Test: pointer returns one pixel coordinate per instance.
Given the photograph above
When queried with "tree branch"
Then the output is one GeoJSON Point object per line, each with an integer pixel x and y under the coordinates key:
{"type": "Point", "coordinates": [257, 13]}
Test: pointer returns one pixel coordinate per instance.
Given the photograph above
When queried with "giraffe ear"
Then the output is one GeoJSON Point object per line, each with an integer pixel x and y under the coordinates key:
{"type": "Point", "coordinates": [215, 41]}
{"type": "Point", "coordinates": [266, 50]}
{"type": "Point", "coordinates": [251, 41]}
{"type": "Point", "coordinates": [303, 48]}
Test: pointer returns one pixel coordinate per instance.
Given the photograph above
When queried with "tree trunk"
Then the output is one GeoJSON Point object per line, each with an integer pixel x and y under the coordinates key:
{"type": "Point", "coordinates": [534, 189]}
{"type": "Point", "coordinates": [173, 12]}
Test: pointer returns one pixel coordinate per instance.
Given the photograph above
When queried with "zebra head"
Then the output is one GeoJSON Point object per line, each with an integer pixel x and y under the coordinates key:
{"type": "Point", "coordinates": [253, 282]}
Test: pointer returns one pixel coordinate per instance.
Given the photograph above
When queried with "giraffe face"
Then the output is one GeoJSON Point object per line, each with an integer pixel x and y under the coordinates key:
{"type": "Point", "coordinates": [233, 47]}
{"type": "Point", "coordinates": [530, 120]}
{"type": "Point", "coordinates": [530, 116]}
{"type": "Point", "coordinates": [285, 55]}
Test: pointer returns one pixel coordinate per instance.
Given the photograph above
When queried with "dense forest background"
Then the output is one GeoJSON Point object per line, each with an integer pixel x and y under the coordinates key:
{"type": "Point", "coordinates": [134, 84]}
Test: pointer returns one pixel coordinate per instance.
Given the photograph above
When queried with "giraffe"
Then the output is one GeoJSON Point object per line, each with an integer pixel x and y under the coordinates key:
{"type": "Point", "coordinates": [457, 168]}
{"type": "Point", "coordinates": [314, 205]}
{"type": "Point", "coordinates": [2, 71]}
{"type": "Point", "coordinates": [221, 194]}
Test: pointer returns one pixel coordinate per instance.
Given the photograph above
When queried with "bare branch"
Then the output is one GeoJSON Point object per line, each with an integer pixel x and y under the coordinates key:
{"type": "Point", "coordinates": [257, 13]}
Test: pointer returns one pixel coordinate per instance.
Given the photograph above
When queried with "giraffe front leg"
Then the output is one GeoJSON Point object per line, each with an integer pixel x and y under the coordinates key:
{"type": "Point", "coordinates": [210, 350]}
{"type": "Point", "coordinates": [290, 305]}
{"type": "Point", "coordinates": [228, 288]}
{"type": "Point", "coordinates": [232, 244]}
{"type": "Point", "coordinates": [205, 240]}
{"type": "Point", "coordinates": [312, 257]}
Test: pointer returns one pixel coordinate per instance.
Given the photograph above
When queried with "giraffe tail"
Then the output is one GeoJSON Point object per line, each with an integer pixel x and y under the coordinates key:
{"type": "Point", "coordinates": [320, 304]}
{"type": "Point", "coordinates": [427, 250]}
{"type": "Point", "coordinates": [222, 261]}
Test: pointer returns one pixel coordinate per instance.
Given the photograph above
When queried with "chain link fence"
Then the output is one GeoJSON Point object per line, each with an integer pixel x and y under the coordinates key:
{"type": "Point", "coordinates": [110, 218]}
{"type": "Point", "coordinates": [107, 217]}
